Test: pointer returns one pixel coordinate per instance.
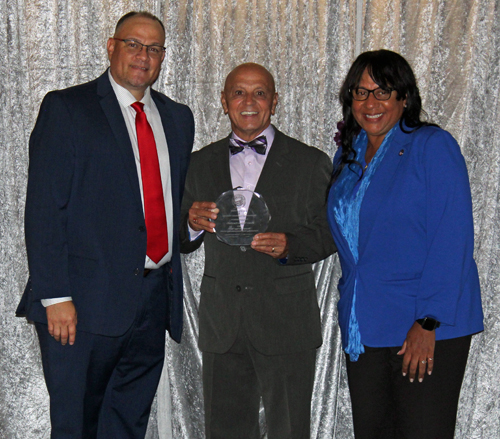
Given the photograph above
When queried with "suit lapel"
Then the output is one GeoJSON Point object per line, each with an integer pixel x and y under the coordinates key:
{"type": "Point", "coordinates": [271, 175]}
{"type": "Point", "coordinates": [379, 191]}
{"type": "Point", "coordinates": [113, 112]}
{"type": "Point", "coordinates": [219, 162]}
{"type": "Point", "coordinates": [172, 137]}
{"type": "Point", "coordinates": [275, 163]}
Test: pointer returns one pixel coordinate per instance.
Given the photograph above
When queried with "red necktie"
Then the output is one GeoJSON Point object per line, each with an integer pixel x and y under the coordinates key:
{"type": "Point", "coordinates": [154, 203]}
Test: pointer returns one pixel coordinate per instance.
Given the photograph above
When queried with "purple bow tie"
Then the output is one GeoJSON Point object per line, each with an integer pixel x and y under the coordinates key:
{"type": "Point", "coordinates": [258, 144]}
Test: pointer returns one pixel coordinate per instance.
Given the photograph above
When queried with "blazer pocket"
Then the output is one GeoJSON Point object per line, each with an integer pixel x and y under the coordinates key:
{"type": "Point", "coordinates": [401, 277]}
{"type": "Point", "coordinates": [82, 266]}
{"type": "Point", "coordinates": [295, 284]}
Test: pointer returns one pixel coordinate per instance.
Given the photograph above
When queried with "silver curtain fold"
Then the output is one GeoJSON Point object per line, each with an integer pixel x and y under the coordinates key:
{"type": "Point", "coordinates": [308, 45]}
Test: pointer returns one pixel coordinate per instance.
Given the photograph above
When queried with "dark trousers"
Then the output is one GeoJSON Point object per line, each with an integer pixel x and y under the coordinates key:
{"type": "Point", "coordinates": [102, 387]}
{"type": "Point", "coordinates": [234, 382]}
{"type": "Point", "coordinates": [386, 405]}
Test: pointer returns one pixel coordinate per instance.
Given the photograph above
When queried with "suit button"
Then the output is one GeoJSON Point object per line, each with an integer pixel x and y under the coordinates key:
{"type": "Point", "coordinates": [243, 248]}
{"type": "Point", "coordinates": [142, 229]}
{"type": "Point", "coordinates": [238, 288]}
{"type": "Point", "coordinates": [137, 271]}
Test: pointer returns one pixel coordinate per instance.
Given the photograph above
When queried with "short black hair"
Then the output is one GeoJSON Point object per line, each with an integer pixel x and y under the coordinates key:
{"type": "Point", "coordinates": [139, 14]}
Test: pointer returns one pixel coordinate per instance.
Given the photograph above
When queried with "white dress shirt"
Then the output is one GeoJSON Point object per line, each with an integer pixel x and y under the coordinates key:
{"type": "Point", "coordinates": [126, 99]}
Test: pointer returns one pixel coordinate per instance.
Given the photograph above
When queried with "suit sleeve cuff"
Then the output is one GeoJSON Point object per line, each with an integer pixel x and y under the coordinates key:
{"type": "Point", "coordinates": [48, 302]}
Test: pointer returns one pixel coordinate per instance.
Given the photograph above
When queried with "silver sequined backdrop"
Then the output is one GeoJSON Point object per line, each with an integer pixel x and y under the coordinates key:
{"type": "Point", "coordinates": [454, 47]}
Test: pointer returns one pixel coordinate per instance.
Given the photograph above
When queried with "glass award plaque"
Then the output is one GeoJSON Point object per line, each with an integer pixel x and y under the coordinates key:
{"type": "Point", "coordinates": [242, 214]}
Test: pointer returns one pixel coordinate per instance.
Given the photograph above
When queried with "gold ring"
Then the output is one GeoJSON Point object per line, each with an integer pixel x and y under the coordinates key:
{"type": "Point", "coordinates": [423, 361]}
{"type": "Point", "coordinates": [272, 251]}
{"type": "Point", "coordinates": [430, 359]}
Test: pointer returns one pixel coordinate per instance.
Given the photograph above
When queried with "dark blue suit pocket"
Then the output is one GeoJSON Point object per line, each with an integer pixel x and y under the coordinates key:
{"type": "Point", "coordinates": [82, 266]}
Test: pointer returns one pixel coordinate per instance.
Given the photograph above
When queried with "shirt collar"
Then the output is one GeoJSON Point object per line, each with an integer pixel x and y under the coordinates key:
{"type": "Point", "coordinates": [268, 132]}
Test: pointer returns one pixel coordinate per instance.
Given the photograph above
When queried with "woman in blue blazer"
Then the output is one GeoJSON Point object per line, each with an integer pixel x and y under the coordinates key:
{"type": "Point", "coordinates": [400, 211]}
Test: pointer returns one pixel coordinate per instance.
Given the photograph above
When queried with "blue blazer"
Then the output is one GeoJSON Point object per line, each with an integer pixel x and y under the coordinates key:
{"type": "Point", "coordinates": [84, 222]}
{"type": "Point", "coordinates": [416, 242]}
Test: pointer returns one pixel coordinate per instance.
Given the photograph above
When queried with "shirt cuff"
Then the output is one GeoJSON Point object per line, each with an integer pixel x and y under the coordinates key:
{"type": "Point", "coordinates": [48, 302]}
{"type": "Point", "coordinates": [283, 261]}
{"type": "Point", "coordinates": [194, 235]}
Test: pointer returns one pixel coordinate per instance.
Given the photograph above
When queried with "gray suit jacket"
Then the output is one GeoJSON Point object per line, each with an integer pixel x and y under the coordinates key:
{"type": "Point", "coordinates": [277, 302]}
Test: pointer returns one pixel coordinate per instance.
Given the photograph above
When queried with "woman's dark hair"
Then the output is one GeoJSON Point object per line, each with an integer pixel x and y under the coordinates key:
{"type": "Point", "coordinates": [389, 70]}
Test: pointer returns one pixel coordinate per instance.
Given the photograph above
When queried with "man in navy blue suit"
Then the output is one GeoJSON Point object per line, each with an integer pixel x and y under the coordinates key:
{"type": "Point", "coordinates": [108, 160]}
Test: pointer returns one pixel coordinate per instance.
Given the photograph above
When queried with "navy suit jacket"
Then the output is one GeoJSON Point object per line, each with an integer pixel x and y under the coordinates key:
{"type": "Point", "coordinates": [416, 243]}
{"type": "Point", "coordinates": [84, 223]}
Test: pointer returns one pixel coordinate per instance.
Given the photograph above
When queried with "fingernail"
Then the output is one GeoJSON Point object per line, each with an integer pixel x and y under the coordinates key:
{"type": "Point", "coordinates": [411, 380]}
{"type": "Point", "coordinates": [429, 372]}
{"type": "Point", "coordinates": [420, 380]}
{"type": "Point", "coordinates": [404, 374]}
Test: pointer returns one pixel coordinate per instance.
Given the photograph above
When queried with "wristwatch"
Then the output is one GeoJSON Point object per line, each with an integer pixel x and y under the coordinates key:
{"type": "Point", "coordinates": [428, 323]}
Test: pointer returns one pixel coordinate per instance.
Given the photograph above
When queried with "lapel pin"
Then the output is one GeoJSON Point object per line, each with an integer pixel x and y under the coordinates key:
{"type": "Point", "coordinates": [401, 152]}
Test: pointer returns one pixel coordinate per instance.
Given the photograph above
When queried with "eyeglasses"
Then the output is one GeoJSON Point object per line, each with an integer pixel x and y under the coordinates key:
{"type": "Point", "coordinates": [134, 47]}
{"type": "Point", "coordinates": [361, 94]}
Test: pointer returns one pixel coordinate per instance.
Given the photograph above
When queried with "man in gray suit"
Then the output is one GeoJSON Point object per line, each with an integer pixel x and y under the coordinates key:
{"type": "Point", "coordinates": [259, 317]}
